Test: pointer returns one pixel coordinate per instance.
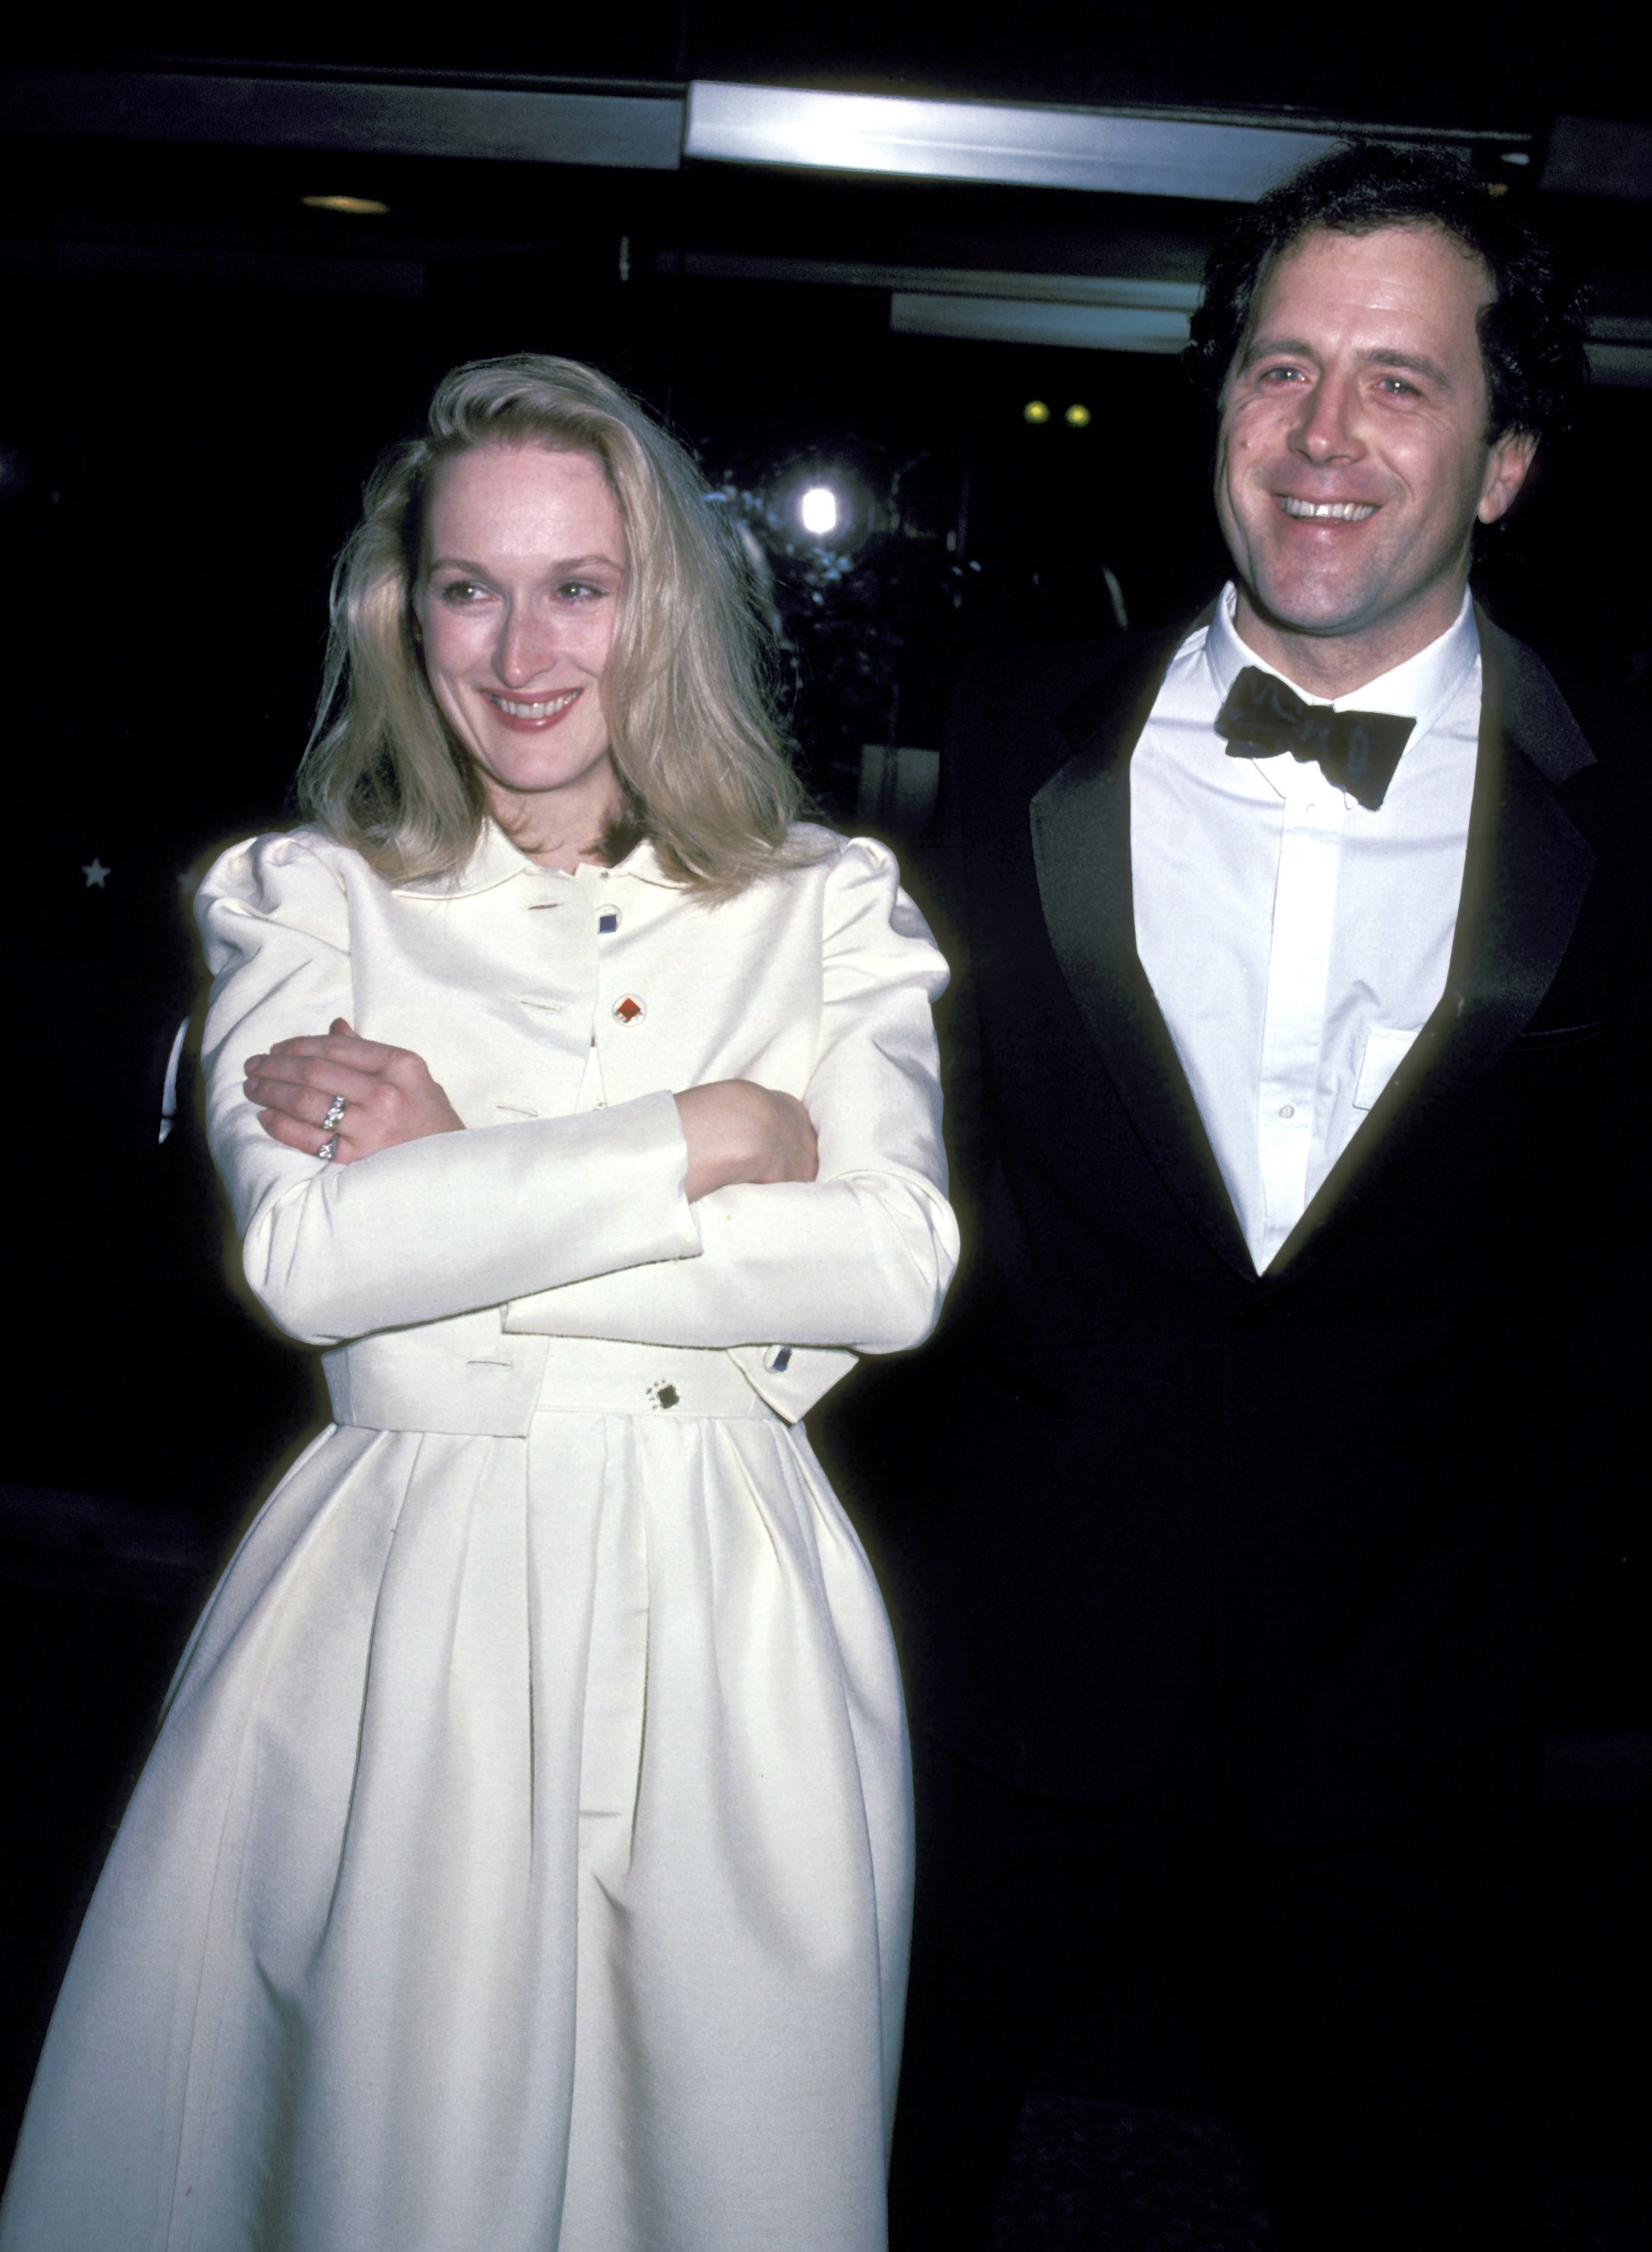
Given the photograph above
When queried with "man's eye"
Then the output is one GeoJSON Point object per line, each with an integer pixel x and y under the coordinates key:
{"type": "Point", "coordinates": [1280, 375]}
{"type": "Point", "coordinates": [1397, 387]}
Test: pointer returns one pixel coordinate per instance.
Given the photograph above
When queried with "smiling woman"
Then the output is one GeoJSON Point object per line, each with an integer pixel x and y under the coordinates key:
{"type": "Point", "coordinates": [588, 511]}
{"type": "Point", "coordinates": [523, 563]}
{"type": "Point", "coordinates": [524, 1858]}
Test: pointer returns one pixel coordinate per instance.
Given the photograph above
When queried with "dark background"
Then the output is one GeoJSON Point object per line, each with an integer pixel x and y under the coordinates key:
{"type": "Point", "coordinates": [196, 370]}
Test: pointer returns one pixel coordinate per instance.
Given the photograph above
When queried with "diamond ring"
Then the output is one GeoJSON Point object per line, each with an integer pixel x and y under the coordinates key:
{"type": "Point", "coordinates": [335, 1113]}
{"type": "Point", "coordinates": [328, 1149]}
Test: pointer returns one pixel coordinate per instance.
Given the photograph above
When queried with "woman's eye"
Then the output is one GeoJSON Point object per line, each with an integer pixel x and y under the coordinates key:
{"type": "Point", "coordinates": [579, 590]}
{"type": "Point", "coordinates": [461, 591]}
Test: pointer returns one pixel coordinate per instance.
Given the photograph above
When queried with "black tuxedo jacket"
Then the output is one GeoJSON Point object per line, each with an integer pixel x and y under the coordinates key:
{"type": "Point", "coordinates": [1372, 1479]}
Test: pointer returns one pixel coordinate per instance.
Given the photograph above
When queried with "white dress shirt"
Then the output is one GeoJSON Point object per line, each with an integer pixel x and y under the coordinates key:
{"type": "Point", "coordinates": [1296, 941]}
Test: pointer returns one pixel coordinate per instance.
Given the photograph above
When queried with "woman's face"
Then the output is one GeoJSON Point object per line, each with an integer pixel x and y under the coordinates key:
{"type": "Point", "coordinates": [524, 556]}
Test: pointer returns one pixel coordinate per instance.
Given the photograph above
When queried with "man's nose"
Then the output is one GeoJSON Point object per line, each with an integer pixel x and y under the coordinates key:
{"type": "Point", "coordinates": [1327, 428]}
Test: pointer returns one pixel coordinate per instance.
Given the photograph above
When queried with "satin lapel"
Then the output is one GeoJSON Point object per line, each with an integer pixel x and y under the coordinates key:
{"type": "Point", "coordinates": [1081, 847]}
{"type": "Point", "coordinates": [1526, 872]}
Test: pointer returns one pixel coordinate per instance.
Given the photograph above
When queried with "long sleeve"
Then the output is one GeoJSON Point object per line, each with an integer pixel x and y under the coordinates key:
{"type": "Point", "coordinates": [861, 1256]}
{"type": "Point", "coordinates": [433, 1227]}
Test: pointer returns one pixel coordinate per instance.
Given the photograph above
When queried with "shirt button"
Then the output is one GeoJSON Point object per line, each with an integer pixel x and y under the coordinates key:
{"type": "Point", "coordinates": [1288, 1110]}
{"type": "Point", "coordinates": [627, 1010]}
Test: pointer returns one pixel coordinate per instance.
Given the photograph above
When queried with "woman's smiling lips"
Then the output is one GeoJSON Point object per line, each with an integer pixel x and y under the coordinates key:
{"type": "Point", "coordinates": [531, 715]}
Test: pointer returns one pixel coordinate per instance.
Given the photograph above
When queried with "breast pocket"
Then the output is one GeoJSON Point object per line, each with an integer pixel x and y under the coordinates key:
{"type": "Point", "coordinates": [1386, 1048]}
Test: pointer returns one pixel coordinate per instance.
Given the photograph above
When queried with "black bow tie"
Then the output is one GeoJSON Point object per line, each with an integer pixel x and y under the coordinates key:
{"type": "Point", "coordinates": [1356, 750]}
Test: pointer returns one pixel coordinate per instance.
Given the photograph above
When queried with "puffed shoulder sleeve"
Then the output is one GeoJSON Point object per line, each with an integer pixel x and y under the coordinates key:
{"type": "Point", "coordinates": [430, 1229]}
{"type": "Point", "coordinates": [861, 1256]}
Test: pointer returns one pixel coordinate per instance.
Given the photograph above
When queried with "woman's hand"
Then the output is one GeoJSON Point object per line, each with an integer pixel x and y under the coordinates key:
{"type": "Point", "coordinates": [337, 1084]}
{"type": "Point", "coordinates": [737, 1131]}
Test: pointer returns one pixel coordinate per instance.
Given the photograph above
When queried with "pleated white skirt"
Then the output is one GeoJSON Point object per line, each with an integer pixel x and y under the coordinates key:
{"type": "Point", "coordinates": [524, 1865]}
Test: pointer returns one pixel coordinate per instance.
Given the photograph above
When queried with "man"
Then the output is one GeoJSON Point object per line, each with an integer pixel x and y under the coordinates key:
{"type": "Point", "coordinates": [1279, 1428]}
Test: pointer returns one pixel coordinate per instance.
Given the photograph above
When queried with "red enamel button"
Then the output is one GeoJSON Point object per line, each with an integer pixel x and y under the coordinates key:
{"type": "Point", "coordinates": [627, 1010]}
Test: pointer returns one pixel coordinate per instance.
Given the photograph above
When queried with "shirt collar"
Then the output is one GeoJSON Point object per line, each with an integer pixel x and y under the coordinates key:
{"type": "Point", "coordinates": [1421, 688]}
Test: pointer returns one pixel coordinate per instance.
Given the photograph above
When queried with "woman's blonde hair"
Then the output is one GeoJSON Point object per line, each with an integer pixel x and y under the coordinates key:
{"type": "Point", "coordinates": [700, 755]}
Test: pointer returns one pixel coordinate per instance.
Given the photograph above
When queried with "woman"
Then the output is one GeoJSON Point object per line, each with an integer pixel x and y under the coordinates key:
{"type": "Point", "coordinates": [523, 1859]}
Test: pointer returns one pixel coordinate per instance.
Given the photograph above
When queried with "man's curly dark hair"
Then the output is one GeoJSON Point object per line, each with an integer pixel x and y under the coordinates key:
{"type": "Point", "coordinates": [1532, 334]}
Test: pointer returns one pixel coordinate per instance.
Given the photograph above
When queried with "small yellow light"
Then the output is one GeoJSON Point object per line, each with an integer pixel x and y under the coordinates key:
{"type": "Point", "coordinates": [1034, 411]}
{"type": "Point", "coordinates": [358, 207]}
{"type": "Point", "coordinates": [1077, 418]}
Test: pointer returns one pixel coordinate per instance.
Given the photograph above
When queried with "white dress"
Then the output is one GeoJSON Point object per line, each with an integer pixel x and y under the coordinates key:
{"type": "Point", "coordinates": [524, 1862]}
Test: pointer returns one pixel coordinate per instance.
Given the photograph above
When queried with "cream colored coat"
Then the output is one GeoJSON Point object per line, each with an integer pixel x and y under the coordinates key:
{"type": "Point", "coordinates": [524, 1863]}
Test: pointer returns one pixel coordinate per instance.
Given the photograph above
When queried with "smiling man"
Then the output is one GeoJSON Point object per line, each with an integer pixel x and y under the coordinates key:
{"type": "Point", "coordinates": [1356, 453]}
{"type": "Point", "coordinates": [1241, 1521]}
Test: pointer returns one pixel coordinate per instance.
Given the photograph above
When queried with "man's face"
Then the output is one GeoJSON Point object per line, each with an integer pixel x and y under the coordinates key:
{"type": "Point", "coordinates": [1353, 460]}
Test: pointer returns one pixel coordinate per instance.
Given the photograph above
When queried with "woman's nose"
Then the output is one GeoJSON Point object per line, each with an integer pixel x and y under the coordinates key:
{"type": "Point", "coordinates": [528, 645]}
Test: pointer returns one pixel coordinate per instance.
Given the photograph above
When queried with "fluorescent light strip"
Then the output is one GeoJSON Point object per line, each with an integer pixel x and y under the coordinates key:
{"type": "Point", "coordinates": [1018, 321]}
{"type": "Point", "coordinates": [992, 141]}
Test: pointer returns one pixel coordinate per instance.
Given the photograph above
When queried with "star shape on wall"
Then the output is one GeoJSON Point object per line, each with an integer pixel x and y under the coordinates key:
{"type": "Point", "coordinates": [97, 875]}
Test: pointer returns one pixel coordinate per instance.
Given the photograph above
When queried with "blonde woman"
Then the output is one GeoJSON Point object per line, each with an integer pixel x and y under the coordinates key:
{"type": "Point", "coordinates": [522, 1865]}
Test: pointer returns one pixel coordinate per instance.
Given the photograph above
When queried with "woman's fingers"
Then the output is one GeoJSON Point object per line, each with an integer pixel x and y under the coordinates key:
{"type": "Point", "coordinates": [386, 1094]}
{"type": "Point", "coordinates": [345, 1048]}
{"type": "Point", "coordinates": [307, 1090]}
{"type": "Point", "coordinates": [299, 1134]}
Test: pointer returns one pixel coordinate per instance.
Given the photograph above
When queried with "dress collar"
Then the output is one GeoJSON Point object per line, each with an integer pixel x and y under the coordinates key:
{"type": "Point", "coordinates": [494, 861]}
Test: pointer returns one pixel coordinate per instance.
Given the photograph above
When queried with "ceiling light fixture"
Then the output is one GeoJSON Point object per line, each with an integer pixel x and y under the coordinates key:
{"type": "Point", "coordinates": [357, 206]}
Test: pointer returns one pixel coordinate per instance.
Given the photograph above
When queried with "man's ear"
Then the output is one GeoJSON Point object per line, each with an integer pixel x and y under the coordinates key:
{"type": "Point", "coordinates": [1510, 457]}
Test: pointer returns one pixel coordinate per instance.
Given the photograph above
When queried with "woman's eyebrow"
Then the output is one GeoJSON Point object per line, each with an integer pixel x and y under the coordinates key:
{"type": "Point", "coordinates": [565, 563]}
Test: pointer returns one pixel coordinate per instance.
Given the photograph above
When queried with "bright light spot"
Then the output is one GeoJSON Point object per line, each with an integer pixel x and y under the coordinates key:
{"type": "Point", "coordinates": [358, 207]}
{"type": "Point", "coordinates": [1034, 411]}
{"type": "Point", "coordinates": [1077, 417]}
{"type": "Point", "coordinates": [818, 508]}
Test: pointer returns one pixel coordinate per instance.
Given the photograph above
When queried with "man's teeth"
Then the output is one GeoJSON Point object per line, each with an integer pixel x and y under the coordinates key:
{"type": "Point", "coordinates": [1340, 511]}
{"type": "Point", "coordinates": [541, 710]}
